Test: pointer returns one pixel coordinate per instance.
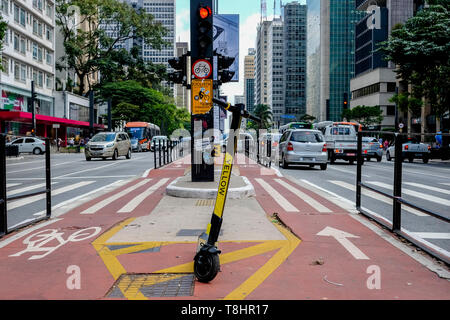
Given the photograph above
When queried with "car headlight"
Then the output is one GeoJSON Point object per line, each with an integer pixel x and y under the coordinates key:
{"type": "Point", "coordinates": [110, 145]}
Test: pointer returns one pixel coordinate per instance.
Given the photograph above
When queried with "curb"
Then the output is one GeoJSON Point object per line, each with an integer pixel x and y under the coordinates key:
{"type": "Point", "coordinates": [233, 193]}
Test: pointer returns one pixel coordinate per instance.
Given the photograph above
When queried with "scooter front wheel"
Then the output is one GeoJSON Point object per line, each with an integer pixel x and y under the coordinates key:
{"type": "Point", "coordinates": [206, 266]}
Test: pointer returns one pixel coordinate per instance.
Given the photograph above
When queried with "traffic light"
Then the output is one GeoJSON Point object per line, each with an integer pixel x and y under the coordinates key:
{"type": "Point", "coordinates": [345, 101]}
{"type": "Point", "coordinates": [223, 74]}
{"type": "Point", "coordinates": [201, 28]}
{"type": "Point", "coordinates": [179, 65]}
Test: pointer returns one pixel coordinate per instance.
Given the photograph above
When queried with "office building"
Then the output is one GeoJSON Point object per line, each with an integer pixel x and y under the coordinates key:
{"type": "Point", "coordinates": [293, 62]}
{"type": "Point", "coordinates": [374, 82]}
{"type": "Point", "coordinates": [249, 79]}
{"type": "Point", "coordinates": [261, 63]}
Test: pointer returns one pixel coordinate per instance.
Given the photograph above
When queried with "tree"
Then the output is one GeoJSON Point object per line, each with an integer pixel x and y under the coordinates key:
{"type": "Point", "coordinates": [263, 112]}
{"type": "Point", "coordinates": [364, 115]}
{"type": "Point", "coordinates": [3, 27]}
{"type": "Point", "coordinates": [90, 48]}
{"type": "Point", "coordinates": [420, 50]}
{"type": "Point", "coordinates": [407, 102]}
{"type": "Point", "coordinates": [131, 101]}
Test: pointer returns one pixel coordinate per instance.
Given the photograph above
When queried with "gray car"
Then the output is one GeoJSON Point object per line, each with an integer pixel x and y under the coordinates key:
{"type": "Point", "coordinates": [304, 147]}
{"type": "Point", "coordinates": [372, 148]}
{"type": "Point", "coordinates": [108, 144]}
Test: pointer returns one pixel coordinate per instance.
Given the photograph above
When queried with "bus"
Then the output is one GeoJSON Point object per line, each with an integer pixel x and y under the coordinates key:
{"type": "Point", "coordinates": [295, 125]}
{"type": "Point", "coordinates": [141, 134]}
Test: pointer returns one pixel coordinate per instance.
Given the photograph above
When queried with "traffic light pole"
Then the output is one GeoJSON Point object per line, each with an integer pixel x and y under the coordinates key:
{"type": "Point", "coordinates": [33, 110]}
{"type": "Point", "coordinates": [206, 261]}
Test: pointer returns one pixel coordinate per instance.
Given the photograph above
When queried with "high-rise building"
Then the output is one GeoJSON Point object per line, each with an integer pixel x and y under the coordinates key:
{"type": "Point", "coordinates": [275, 78]}
{"type": "Point", "coordinates": [293, 62]}
{"type": "Point", "coordinates": [28, 54]}
{"type": "Point", "coordinates": [313, 59]}
{"type": "Point", "coordinates": [374, 82]}
{"type": "Point", "coordinates": [261, 63]}
{"type": "Point", "coordinates": [249, 79]}
{"type": "Point", "coordinates": [337, 47]}
{"type": "Point", "coordinates": [181, 92]}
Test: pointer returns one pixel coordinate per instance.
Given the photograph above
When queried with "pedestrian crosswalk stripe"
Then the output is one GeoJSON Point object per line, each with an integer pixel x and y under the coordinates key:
{"type": "Point", "coordinates": [376, 196]}
{"type": "Point", "coordinates": [312, 202]}
{"type": "Point", "coordinates": [432, 235]}
{"type": "Point", "coordinates": [286, 205]}
{"type": "Point", "coordinates": [130, 206]}
{"type": "Point", "coordinates": [445, 183]}
{"type": "Point", "coordinates": [413, 193]}
{"type": "Point", "coordinates": [25, 201]}
{"type": "Point", "coordinates": [418, 185]}
{"type": "Point", "coordinates": [114, 197]}
{"type": "Point", "coordinates": [25, 189]}
{"type": "Point", "coordinates": [10, 185]}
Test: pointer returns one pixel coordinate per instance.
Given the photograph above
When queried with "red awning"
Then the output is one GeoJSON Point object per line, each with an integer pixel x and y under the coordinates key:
{"type": "Point", "coordinates": [20, 116]}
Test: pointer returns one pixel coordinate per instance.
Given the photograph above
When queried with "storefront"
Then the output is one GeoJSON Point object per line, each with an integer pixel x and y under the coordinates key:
{"type": "Point", "coordinates": [20, 123]}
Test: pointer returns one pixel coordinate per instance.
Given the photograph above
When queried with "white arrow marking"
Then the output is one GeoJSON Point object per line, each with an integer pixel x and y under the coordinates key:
{"type": "Point", "coordinates": [341, 237]}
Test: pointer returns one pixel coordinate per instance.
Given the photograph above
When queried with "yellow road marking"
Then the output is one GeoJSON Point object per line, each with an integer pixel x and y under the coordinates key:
{"type": "Point", "coordinates": [131, 291]}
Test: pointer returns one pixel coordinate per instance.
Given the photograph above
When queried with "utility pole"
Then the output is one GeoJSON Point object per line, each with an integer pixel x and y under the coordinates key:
{"type": "Point", "coordinates": [33, 109]}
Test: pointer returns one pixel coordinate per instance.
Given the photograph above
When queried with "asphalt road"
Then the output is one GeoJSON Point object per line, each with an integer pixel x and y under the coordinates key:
{"type": "Point", "coordinates": [426, 185]}
{"type": "Point", "coordinates": [74, 181]}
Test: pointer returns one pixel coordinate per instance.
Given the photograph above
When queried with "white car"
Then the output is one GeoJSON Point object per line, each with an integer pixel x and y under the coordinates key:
{"type": "Point", "coordinates": [29, 144]}
{"type": "Point", "coordinates": [412, 149]}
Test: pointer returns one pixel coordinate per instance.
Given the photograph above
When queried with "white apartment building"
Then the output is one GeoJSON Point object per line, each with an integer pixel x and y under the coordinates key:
{"type": "Point", "coordinates": [28, 54]}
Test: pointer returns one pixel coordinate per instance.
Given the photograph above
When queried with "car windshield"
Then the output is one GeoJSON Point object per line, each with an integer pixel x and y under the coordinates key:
{"type": "Point", "coordinates": [305, 136]}
{"type": "Point", "coordinates": [340, 131]}
{"type": "Point", "coordinates": [104, 137]}
{"type": "Point", "coordinates": [135, 133]}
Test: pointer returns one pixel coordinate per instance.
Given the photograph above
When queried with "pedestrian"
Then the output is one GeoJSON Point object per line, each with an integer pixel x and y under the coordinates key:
{"type": "Point", "coordinates": [386, 144]}
{"type": "Point", "coordinates": [71, 142]}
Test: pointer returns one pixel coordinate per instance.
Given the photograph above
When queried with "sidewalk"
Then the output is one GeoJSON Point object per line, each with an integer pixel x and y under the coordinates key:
{"type": "Point", "coordinates": [286, 243]}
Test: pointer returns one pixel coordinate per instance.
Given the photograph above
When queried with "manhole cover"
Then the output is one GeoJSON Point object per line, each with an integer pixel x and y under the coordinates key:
{"type": "Point", "coordinates": [153, 285]}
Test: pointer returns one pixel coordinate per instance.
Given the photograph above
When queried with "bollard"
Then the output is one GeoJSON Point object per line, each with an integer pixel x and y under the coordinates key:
{"type": "Point", "coordinates": [154, 151]}
{"type": "Point", "coordinates": [3, 212]}
{"type": "Point", "coordinates": [48, 178]}
{"type": "Point", "coordinates": [159, 151]}
{"type": "Point", "coordinates": [396, 219]}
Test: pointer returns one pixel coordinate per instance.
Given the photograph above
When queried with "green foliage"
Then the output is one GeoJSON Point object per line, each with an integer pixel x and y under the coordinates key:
{"type": "Point", "coordinates": [407, 102]}
{"type": "Point", "coordinates": [3, 27]}
{"type": "Point", "coordinates": [364, 115]}
{"type": "Point", "coordinates": [131, 101]}
{"type": "Point", "coordinates": [89, 48]}
{"type": "Point", "coordinates": [263, 112]}
{"type": "Point", "coordinates": [420, 49]}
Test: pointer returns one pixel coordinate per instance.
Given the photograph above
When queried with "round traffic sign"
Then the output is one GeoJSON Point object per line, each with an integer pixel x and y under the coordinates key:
{"type": "Point", "coordinates": [400, 125]}
{"type": "Point", "coordinates": [202, 69]}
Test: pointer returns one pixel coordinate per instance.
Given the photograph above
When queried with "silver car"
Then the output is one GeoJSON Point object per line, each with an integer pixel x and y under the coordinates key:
{"type": "Point", "coordinates": [372, 148]}
{"type": "Point", "coordinates": [303, 146]}
{"type": "Point", "coordinates": [108, 144]}
{"type": "Point", "coordinates": [29, 144]}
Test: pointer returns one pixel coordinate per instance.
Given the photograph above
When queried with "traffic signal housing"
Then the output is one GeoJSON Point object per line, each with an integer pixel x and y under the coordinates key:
{"type": "Point", "coordinates": [345, 101]}
{"type": "Point", "coordinates": [201, 29]}
{"type": "Point", "coordinates": [179, 76]}
{"type": "Point", "coordinates": [224, 75]}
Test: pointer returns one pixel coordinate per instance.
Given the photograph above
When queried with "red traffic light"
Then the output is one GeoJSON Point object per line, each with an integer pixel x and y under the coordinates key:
{"type": "Point", "coordinates": [205, 12]}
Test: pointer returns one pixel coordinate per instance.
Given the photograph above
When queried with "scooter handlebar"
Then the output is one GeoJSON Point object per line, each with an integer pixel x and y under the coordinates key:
{"type": "Point", "coordinates": [227, 106]}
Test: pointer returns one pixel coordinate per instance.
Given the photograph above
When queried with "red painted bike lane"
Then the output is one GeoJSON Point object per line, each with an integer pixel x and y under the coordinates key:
{"type": "Point", "coordinates": [47, 258]}
{"type": "Point", "coordinates": [338, 257]}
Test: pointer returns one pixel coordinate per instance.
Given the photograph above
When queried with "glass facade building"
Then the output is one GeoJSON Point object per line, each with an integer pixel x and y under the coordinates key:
{"type": "Point", "coordinates": [342, 20]}
{"type": "Point", "coordinates": [294, 56]}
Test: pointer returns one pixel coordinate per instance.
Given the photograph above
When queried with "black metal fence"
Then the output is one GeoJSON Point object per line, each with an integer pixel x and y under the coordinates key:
{"type": "Point", "coordinates": [3, 189]}
{"type": "Point", "coordinates": [167, 151]}
{"type": "Point", "coordinates": [397, 201]}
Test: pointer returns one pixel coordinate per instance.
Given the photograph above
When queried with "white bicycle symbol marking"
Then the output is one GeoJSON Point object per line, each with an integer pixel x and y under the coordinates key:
{"type": "Point", "coordinates": [36, 242]}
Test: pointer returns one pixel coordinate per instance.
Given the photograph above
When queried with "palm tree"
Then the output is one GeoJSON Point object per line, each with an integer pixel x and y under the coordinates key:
{"type": "Point", "coordinates": [263, 112]}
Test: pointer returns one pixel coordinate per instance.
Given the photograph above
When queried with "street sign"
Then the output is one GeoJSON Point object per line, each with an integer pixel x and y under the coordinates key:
{"type": "Point", "coordinates": [202, 95]}
{"type": "Point", "coordinates": [400, 125]}
{"type": "Point", "coordinates": [201, 69]}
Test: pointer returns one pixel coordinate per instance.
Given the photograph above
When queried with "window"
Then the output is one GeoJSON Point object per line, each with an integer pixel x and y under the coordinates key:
{"type": "Point", "coordinates": [16, 71]}
{"type": "Point", "coordinates": [16, 42]}
{"type": "Point", "coordinates": [49, 34]}
{"type": "Point", "coordinates": [23, 72]}
{"type": "Point", "coordinates": [49, 81]}
{"type": "Point", "coordinates": [40, 81]}
{"type": "Point", "coordinates": [40, 54]}
{"type": "Point", "coordinates": [38, 4]}
{"type": "Point", "coordinates": [5, 6]}
{"type": "Point", "coordinates": [16, 13]}
{"type": "Point", "coordinates": [18, 141]}
{"type": "Point", "coordinates": [35, 51]}
{"type": "Point", "coordinates": [5, 65]}
{"type": "Point", "coordinates": [49, 10]}
{"type": "Point", "coordinates": [22, 17]}
{"type": "Point", "coordinates": [49, 57]}
{"type": "Point", "coordinates": [29, 140]}
{"type": "Point", "coordinates": [22, 45]}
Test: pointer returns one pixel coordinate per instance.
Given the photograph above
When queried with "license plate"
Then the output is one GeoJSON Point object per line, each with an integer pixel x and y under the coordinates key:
{"type": "Point", "coordinates": [351, 154]}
